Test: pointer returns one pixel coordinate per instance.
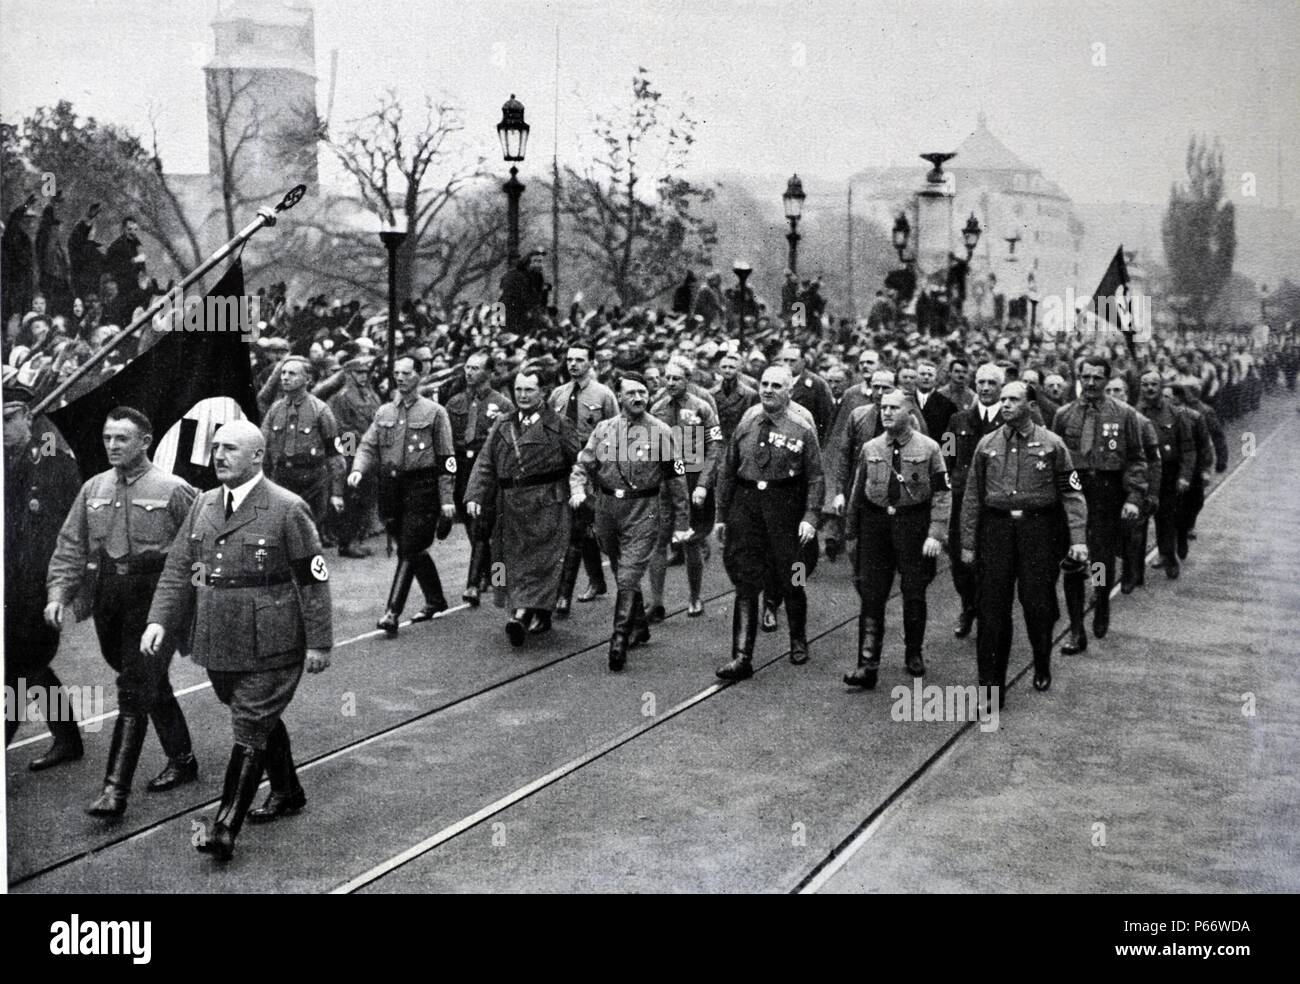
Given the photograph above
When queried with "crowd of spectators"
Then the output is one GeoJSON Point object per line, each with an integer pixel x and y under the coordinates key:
{"type": "Point", "coordinates": [63, 300]}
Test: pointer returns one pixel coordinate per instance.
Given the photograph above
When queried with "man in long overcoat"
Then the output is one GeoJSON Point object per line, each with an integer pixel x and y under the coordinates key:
{"type": "Point", "coordinates": [523, 469]}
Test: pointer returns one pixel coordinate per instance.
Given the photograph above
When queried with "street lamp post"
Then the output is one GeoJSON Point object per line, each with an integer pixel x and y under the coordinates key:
{"type": "Point", "coordinates": [970, 235]}
{"type": "Point", "coordinates": [513, 133]}
{"type": "Point", "coordinates": [392, 236]}
{"type": "Point", "coordinates": [793, 199]}
{"type": "Point", "coordinates": [742, 270]}
{"type": "Point", "coordinates": [902, 230]}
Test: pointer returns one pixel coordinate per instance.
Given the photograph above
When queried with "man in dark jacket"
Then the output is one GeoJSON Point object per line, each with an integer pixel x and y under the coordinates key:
{"type": "Point", "coordinates": [41, 483]}
{"type": "Point", "coordinates": [120, 260]}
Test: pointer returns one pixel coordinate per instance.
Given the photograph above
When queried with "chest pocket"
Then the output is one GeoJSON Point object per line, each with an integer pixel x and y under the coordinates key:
{"type": "Point", "coordinates": [99, 514]}
{"type": "Point", "coordinates": [151, 523]}
{"type": "Point", "coordinates": [876, 473]}
{"type": "Point", "coordinates": [262, 558]}
{"type": "Point", "coordinates": [590, 413]}
{"type": "Point", "coordinates": [916, 476]}
{"type": "Point", "coordinates": [387, 431]}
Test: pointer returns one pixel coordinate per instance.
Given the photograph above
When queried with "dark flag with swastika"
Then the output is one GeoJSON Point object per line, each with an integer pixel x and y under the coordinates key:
{"type": "Point", "coordinates": [1112, 301]}
{"type": "Point", "coordinates": [191, 381]}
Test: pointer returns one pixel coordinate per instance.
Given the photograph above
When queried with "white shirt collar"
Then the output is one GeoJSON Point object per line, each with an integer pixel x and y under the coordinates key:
{"type": "Point", "coordinates": [240, 492]}
{"type": "Point", "coordinates": [988, 414]}
{"type": "Point", "coordinates": [921, 397]}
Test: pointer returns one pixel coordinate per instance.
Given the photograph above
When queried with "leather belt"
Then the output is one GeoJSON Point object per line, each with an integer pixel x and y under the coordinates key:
{"type": "Point", "coordinates": [630, 493]}
{"type": "Point", "coordinates": [223, 581]}
{"type": "Point", "coordinates": [546, 478]}
{"type": "Point", "coordinates": [1021, 513]}
{"type": "Point", "coordinates": [128, 566]}
{"type": "Point", "coordinates": [416, 475]}
{"type": "Point", "coordinates": [763, 484]}
{"type": "Point", "coordinates": [895, 510]}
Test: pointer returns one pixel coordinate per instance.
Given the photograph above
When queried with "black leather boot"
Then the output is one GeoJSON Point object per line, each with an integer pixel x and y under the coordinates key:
{"type": "Point", "coordinates": [1042, 649]}
{"type": "Point", "coordinates": [914, 635]}
{"type": "Point", "coordinates": [640, 622]}
{"type": "Point", "coordinates": [123, 754]}
{"type": "Point", "coordinates": [624, 605]}
{"type": "Point", "coordinates": [796, 612]}
{"type": "Point", "coordinates": [568, 578]}
{"type": "Point", "coordinates": [243, 776]}
{"type": "Point", "coordinates": [1101, 614]}
{"type": "Point", "coordinates": [744, 629]}
{"type": "Point", "coordinates": [174, 736]}
{"type": "Point", "coordinates": [869, 645]}
{"type": "Point", "coordinates": [1074, 602]}
{"type": "Point", "coordinates": [401, 587]}
{"type": "Point", "coordinates": [478, 565]}
{"type": "Point", "coordinates": [426, 573]}
{"type": "Point", "coordinates": [286, 796]}
{"type": "Point", "coordinates": [67, 746]}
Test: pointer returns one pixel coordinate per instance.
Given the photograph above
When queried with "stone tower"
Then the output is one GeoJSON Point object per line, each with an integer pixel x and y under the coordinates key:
{"type": "Point", "coordinates": [261, 99]}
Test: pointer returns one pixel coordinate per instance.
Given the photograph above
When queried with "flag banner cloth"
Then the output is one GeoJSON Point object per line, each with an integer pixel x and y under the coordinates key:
{"type": "Point", "coordinates": [195, 378]}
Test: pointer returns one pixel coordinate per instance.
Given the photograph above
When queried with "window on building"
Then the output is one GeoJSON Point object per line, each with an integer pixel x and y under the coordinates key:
{"type": "Point", "coordinates": [244, 35]}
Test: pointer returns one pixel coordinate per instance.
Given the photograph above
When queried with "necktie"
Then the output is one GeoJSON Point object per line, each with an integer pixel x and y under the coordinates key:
{"type": "Point", "coordinates": [572, 409]}
{"type": "Point", "coordinates": [471, 428]}
{"type": "Point", "coordinates": [895, 488]}
{"type": "Point", "coordinates": [230, 504]}
{"type": "Point", "coordinates": [291, 438]}
{"type": "Point", "coordinates": [1089, 438]}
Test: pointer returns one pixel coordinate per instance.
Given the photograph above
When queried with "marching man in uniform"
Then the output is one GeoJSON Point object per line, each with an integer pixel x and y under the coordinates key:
{"type": "Point", "coordinates": [898, 511]}
{"type": "Point", "coordinates": [247, 575]}
{"type": "Point", "coordinates": [635, 464]}
{"type": "Point", "coordinates": [585, 401]}
{"type": "Point", "coordinates": [1105, 442]}
{"type": "Point", "coordinates": [769, 492]}
{"type": "Point", "coordinates": [1012, 530]}
{"type": "Point", "coordinates": [473, 411]}
{"type": "Point", "coordinates": [302, 453]}
{"type": "Point", "coordinates": [112, 549]}
{"type": "Point", "coordinates": [40, 487]}
{"type": "Point", "coordinates": [522, 475]}
{"type": "Point", "coordinates": [410, 445]}
{"type": "Point", "coordinates": [701, 434]}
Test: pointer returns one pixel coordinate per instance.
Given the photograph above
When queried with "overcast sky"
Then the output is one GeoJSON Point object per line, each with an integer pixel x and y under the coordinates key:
{"type": "Point", "coordinates": [824, 88]}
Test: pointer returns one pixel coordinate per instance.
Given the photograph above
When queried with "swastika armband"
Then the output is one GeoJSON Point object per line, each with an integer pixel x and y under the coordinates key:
{"type": "Point", "coordinates": [310, 570]}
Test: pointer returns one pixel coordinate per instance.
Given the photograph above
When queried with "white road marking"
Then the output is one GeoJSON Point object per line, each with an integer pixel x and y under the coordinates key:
{"type": "Point", "coordinates": [523, 792]}
{"type": "Point", "coordinates": [109, 715]}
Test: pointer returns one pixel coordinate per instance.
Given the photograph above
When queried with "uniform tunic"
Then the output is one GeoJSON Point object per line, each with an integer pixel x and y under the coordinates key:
{"type": "Point", "coordinates": [255, 591]}
{"type": "Point", "coordinates": [770, 481]}
{"type": "Point", "coordinates": [111, 550]}
{"type": "Point", "coordinates": [302, 453]}
{"type": "Point", "coordinates": [523, 472]}
{"type": "Point", "coordinates": [472, 418]}
{"type": "Point", "coordinates": [592, 403]}
{"type": "Point", "coordinates": [637, 474]}
{"type": "Point", "coordinates": [1175, 431]}
{"type": "Point", "coordinates": [354, 408]}
{"type": "Point", "coordinates": [39, 489]}
{"type": "Point", "coordinates": [410, 446]}
{"type": "Point", "coordinates": [700, 435]}
{"type": "Point", "coordinates": [732, 400]}
{"type": "Point", "coordinates": [1011, 516]}
{"type": "Point", "coordinates": [1105, 443]}
{"type": "Point", "coordinates": [891, 530]}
